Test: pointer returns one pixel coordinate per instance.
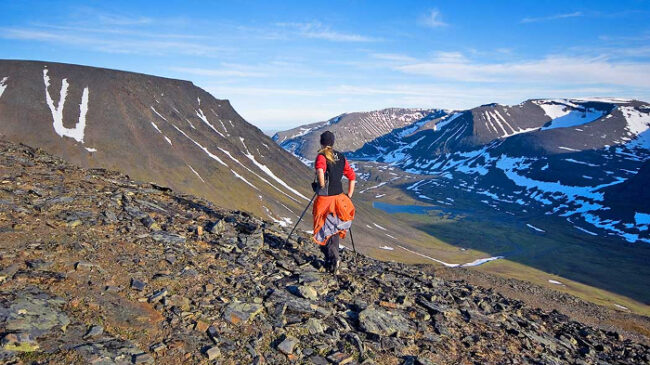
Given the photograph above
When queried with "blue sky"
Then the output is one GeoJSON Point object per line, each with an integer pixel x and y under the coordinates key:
{"type": "Point", "coordinates": [285, 63]}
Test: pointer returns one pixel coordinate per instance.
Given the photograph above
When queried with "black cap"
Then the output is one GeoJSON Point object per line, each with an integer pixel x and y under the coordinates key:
{"type": "Point", "coordinates": [327, 138]}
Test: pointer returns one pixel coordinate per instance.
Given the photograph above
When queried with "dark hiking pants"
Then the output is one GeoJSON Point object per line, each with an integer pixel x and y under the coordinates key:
{"type": "Point", "coordinates": [331, 249]}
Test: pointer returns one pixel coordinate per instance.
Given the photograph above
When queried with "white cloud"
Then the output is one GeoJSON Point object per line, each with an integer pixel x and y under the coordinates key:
{"type": "Point", "coordinates": [557, 69]}
{"type": "Point", "coordinates": [225, 91]}
{"type": "Point", "coordinates": [629, 38]}
{"type": "Point", "coordinates": [220, 72]}
{"type": "Point", "coordinates": [317, 30]}
{"type": "Point", "coordinates": [393, 57]}
{"type": "Point", "coordinates": [433, 19]}
{"type": "Point", "coordinates": [284, 108]}
{"type": "Point", "coordinates": [115, 19]}
{"type": "Point", "coordinates": [551, 17]}
{"type": "Point", "coordinates": [98, 42]}
{"type": "Point", "coordinates": [284, 117]}
{"type": "Point", "coordinates": [118, 31]}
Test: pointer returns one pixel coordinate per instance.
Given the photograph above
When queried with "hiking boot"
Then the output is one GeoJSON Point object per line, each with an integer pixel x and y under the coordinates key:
{"type": "Point", "coordinates": [334, 268]}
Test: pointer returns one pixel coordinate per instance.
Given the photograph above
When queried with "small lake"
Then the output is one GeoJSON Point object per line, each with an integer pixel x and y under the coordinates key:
{"type": "Point", "coordinates": [396, 208]}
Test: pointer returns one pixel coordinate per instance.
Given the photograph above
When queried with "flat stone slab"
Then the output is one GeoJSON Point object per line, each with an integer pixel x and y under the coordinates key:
{"type": "Point", "coordinates": [112, 351]}
{"type": "Point", "coordinates": [32, 311]}
{"type": "Point", "coordinates": [238, 313]}
{"type": "Point", "coordinates": [169, 238]}
{"type": "Point", "coordinates": [381, 322]}
{"type": "Point", "coordinates": [287, 346]}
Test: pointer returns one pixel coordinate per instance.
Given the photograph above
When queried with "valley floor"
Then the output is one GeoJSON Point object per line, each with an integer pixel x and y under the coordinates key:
{"type": "Point", "coordinates": [455, 230]}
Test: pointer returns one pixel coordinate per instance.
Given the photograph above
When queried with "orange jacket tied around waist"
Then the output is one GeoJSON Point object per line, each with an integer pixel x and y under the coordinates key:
{"type": "Point", "coordinates": [332, 215]}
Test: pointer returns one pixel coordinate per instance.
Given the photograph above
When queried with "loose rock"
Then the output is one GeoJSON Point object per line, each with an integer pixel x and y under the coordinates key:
{"type": "Point", "coordinates": [239, 313]}
{"type": "Point", "coordinates": [287, 345]}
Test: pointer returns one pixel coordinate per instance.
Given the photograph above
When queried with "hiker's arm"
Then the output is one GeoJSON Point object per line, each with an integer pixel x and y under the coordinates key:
{"type": "Point", "coordinates": [320, 165]}
{"type": "Point", "coordinates": [320, 174]}
{"type": "Point", "coordinates": [351, 185]}
{"type": "Point", "coordinates": [349, 173]}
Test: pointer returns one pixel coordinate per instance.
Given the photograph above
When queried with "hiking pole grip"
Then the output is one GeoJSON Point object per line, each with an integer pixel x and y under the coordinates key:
{"type": "Point", "coordinates": [299, 219]}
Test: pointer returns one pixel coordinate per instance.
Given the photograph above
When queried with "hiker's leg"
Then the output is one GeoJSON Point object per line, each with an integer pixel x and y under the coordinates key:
{"type": "Point", "coordinates": [333, 248]}
{"type": "Point", "coordinates": [328, 251]}
{"type": "Point", "coordinates": [323, 249]}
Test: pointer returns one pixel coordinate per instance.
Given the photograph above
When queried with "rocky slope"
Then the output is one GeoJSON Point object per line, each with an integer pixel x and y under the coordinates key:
{"type": "Point", "coordinates": [541, 157]}
{"type": "Point", "coordinates": [154, 129]}
{"type": "Point", "coordinates": [98, 268]}
{"type": "Point", "coordinates": [352, 130]}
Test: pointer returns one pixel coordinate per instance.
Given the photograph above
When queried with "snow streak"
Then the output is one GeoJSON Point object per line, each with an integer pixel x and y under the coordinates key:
{"type": "Point", "coordinates": [76, 133]}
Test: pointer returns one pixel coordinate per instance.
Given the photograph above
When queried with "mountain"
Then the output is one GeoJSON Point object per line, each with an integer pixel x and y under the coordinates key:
{"type": "Point", "coordinates": [99, 268]}
{"type": "Point", "coordinates": [562, 158]}
{"type": "Point", "coordinates": [165, 131]}
{"type": "Point", "coordinates": [154, 129]}
{"type": "Point", "coordinates": [352, 130]}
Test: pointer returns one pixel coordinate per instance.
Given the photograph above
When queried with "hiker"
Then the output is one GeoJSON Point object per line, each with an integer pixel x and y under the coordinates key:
{"type": "Point", "coordinates": [333, 210]}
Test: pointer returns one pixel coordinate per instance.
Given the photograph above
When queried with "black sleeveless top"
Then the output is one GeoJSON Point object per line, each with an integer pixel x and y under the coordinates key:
{"type": "Point", "coordinates": [333, 175]}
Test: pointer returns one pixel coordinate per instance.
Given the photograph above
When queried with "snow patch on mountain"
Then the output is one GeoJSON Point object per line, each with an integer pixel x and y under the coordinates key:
{"type": "Point", "coordinates": [202, 116]}
{"type": "Point", "coordinates": [243, 179]}
{"type": "Point", "coordinates": [554, 111]}
{"type": "Point", "coordinates": [270, 173]}
{"type": "Point", "coordinates": [586, 231]}
{"type": "Point", "coordinates": [606, 100]}
{"type": "Point", "coordinates": [481, 261]}
{"type": "Point", "coordinates": [163, 135]}
{"type": "Point", "coordinates": [642, 218]}
{"type": "Point", "coordinates": [156, 127]}
{"type": "Point", "coordinates": [638, 124]}
{"type": "Point", "coordinates": [398, 154]}
{"type": "Point", "coordinates": [444, 122]}
{"type": "Point", "coordinates": [580, 162]}
{"type": "Point", "coordinates": [574, 118]}
{"type": "Point", "coordinates": [534, 228]}
{"type": "Point", "coordinates": [77, 132]}
{"type": "Point", "coordinates": [158, 114]}
{"type": "Point", "coordinates": [207, 152]}
{"type": "Point", "coordinates": [227, 153]}
{"type": "Point", "coordinates": [3, 85]}
{"type": "Point", "coordinates": [196, 173]}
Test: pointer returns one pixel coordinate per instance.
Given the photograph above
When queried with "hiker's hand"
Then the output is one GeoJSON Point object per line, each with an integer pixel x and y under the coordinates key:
{"type": "Point", "coordinates": [314, 186]}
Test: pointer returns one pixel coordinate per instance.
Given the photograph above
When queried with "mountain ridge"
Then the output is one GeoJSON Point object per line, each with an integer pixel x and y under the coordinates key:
{"type": "Point", "coordinates": [153, 128]}
{"type": "Point", "coordinates": [491, 143]}
{"type": "Point", "coordinates": [352, 130]}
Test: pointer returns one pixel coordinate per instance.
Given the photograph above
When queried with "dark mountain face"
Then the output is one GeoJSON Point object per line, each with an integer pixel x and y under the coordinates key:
{"type": "Point", "coordinates": [352, 130]}
{"type": "Point", "coordinates": [154, 129]}
{"type": "Point", "coordinates": [548, 157]}
{"type": "Point", "coordinates": [631, 198]}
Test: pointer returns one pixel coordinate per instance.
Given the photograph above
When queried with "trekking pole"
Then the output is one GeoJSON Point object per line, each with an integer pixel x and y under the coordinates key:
{"type": "Point", "coordinates": [353, 248]}
{"type": "Point", "coordinates": [299, 219]}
